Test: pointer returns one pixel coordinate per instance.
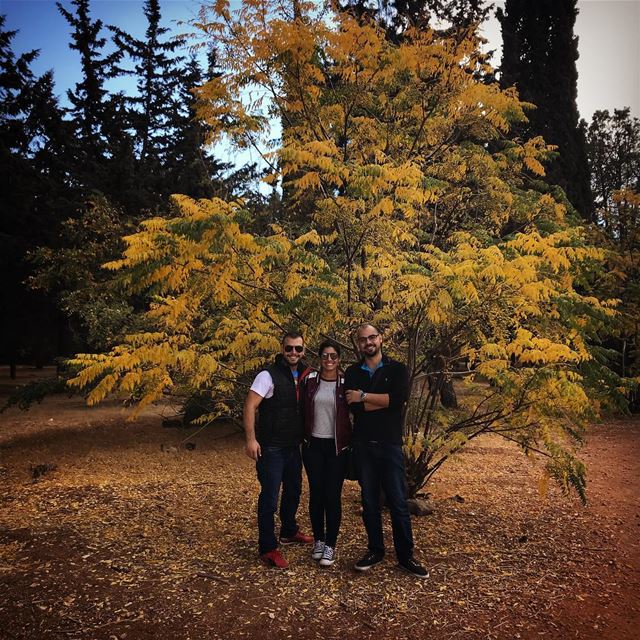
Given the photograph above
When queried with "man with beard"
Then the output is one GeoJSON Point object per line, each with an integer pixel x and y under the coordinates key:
{"type": "Point", "coordinates": [377, 390]}
{"type": "Point", "coordinates": [275, 447]}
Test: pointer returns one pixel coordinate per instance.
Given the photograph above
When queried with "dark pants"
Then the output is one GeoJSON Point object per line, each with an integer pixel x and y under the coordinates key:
{"type": "Point", "coordinates": [381, 466]}
{"type": "Point", "coordinates": [326, 472]}
{"type": "Point", "coordinates": [278, 466]}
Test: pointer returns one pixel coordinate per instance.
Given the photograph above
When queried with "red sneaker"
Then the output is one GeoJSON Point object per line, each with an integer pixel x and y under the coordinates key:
{"type": "Point", "coordinates": [297, 538]}
{"type": "Point", "coordinates": [275, 559]}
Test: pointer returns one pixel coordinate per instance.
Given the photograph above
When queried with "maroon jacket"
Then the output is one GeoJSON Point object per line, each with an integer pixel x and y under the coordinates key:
{"type": "Point", "coordinates": [343, 420]}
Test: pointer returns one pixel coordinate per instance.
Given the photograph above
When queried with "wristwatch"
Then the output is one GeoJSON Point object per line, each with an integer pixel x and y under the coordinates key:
{"type": "Point", "coordinates": [363, 396]}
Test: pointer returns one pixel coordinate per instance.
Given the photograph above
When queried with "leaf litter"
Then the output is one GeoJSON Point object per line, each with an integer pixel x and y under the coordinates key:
{"type": "Point", "coordinates": [123, 540]}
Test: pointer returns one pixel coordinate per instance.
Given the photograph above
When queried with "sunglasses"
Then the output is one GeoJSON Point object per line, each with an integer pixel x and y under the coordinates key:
{"type": "Point", "coordinates": [326, 356]}
{"type": "Point", "coordinates": [289, 348]}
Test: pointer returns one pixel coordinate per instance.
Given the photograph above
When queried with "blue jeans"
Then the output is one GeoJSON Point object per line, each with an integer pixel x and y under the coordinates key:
{"type": "Point", "coordinates": [278, 466]}
{"type": "Point", "coordinates": [381, 466]}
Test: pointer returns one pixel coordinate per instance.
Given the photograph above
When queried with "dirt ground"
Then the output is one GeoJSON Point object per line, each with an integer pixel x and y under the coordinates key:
{"type": "Point", "coordinates": [136, 535]}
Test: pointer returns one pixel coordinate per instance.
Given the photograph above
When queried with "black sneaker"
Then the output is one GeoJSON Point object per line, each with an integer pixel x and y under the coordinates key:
{"type": "Point", "coordinates": [367, 561]}
{"type": "Point", "coordinates": [414, 568]}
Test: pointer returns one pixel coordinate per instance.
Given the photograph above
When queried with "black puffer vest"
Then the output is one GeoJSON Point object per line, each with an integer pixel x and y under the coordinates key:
{"type": "Point", "coordinates": [280, 421]}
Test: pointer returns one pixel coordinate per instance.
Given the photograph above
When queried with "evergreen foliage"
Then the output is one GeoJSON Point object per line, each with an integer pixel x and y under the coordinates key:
{"type": "Point", "coordinates": [157, 72]}
{"type": "Point", "coordinates": [539, 58]}
{"type": "Point", "coordinates": [448, 16]}
{"type": "Point", "coordinates": [76, 179]}
{"type": "Point", "coordinates": [613, 146]}
{"type": "Point", "coordinates": [34, 152]}
{"type": "Point", "coordinates": [98, 309]}
{"type": "Point", "coordinates": [91, 107]}
{"type": "Point", "coordinates": [189, 167]}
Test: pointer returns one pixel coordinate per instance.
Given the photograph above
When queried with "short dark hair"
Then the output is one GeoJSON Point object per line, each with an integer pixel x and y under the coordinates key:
{"type": "Point", "coordinates": [293, 335]}
{"type": "Point", "coordinates": [329, 343]}
{"type": "Point", "coordinates": [367, 324]}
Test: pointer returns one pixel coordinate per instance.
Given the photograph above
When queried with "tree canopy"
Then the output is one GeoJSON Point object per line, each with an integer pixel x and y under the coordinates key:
{"type": "Point", "coordinates": [425, 220]}
{"type": "Point", "coordinates": [613, 146]}
{"type": "Point", "coordinates": [78, 177]}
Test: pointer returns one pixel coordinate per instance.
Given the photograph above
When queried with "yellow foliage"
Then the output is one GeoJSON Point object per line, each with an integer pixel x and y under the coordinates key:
{"type": "Point", "coordinates": [406, 228]}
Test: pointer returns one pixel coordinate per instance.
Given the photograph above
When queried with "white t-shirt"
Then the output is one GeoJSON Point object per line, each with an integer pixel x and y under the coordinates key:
{"type": "Point", "coordinates": [263, 384]}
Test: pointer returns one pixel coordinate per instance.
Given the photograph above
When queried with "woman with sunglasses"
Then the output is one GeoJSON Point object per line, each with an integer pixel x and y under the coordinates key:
{"type": "Point", "coordinates": [325, 450]}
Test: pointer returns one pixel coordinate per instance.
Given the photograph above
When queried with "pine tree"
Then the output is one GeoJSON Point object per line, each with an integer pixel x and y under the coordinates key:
{"type": "Point", "coordinates": [91, 108]}
{"type": "Point", "coordinates": [157, 70]}
{"type": "Point", "coordinates": [190, 167]}
{"type": "Point", "coordinates": [34, 154]}
{"type": "Point", "coordinates": [539, 58]}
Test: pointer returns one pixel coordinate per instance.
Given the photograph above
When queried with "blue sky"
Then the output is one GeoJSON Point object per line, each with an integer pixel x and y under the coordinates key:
{"type": "Point", "coordinates": [609, 47]}
{"type": "Point", "coordinates": [608, 68]}
{"type": "Point", "coordinates": [41, 26]}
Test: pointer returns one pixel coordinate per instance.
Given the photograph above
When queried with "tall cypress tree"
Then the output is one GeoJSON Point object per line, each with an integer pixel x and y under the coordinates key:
{"type": "Point", "coordinates": [539, 57]}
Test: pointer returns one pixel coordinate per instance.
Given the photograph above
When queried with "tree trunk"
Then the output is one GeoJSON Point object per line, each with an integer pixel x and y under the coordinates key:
{"type": "Point", "coordinates": [448, 394]}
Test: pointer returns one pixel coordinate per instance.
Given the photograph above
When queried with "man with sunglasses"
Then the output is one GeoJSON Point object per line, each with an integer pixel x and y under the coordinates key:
{"type": "Point", "coordinates": [274, 445]}
{"type": "Point", "coordinates": [377, 389]}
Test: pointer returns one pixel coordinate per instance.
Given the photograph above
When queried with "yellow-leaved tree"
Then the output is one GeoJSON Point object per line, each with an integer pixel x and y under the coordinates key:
{"type": "Point", "coordinates": [423, 220]}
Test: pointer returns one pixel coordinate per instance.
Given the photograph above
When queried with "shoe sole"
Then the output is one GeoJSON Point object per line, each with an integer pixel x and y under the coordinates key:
{"type": "Point", "coordinates": [357, 568]}
{"type": "Point", "coordinates": [275, 566]}
{"type": "Point", "coordinates": [271, 563]}
{"type": "Point", "coordinates": [286, 544]}
{"type": "Point", "coordinates": [411, 573]}
{"type": "Point", "coordinates": [326, 563]}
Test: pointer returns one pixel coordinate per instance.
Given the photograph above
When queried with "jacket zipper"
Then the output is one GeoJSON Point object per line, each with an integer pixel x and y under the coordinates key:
{"type": "Point", "coordinates": [335, 404]}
